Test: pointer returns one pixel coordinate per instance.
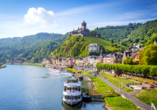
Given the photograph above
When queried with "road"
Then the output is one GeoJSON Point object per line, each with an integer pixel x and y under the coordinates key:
{"type": "Point", "coordinates": [129, 96]}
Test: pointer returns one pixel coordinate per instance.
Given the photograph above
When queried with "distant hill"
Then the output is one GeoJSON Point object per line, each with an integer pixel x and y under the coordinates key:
{"type": "Point", "coordinates": [117, 33]}
{"type": "Point", "coordinates": [9, 40]}
{"type": "Point", "coordinates": [143, 33]}
{"type": "Point", "coordinates": [127, 34]}
{"type": "Point", "coordinates": [76, 46]}
{"type": "Point", "coordinates": [32, 46]}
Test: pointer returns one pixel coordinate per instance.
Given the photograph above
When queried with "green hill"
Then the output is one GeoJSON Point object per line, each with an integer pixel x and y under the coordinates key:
{"type": "Point", "coordinates": [117, 33]}
{"type": "Point", "coordinates": [37, 46]}
{"type": "Point", "coordinates": [142, 33]}
{"type": "Point", "coordinates": [9, 40]}
{"type": "Point", "coordinates": [76, 46]}
{"type": "Point", "coordinates": [128, 34]}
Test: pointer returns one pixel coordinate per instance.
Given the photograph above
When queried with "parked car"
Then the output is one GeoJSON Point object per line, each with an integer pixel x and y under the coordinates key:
{"type": "Point", "coordinates": [153, 85]}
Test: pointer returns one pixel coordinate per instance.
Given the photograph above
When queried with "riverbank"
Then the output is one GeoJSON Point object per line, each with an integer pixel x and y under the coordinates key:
{"type": "Point", "coordinates": [35, 64]}
{"type": "Point", "coordinates": [3, 66]}
{"type": "Point", "coordinates": [113, 102]}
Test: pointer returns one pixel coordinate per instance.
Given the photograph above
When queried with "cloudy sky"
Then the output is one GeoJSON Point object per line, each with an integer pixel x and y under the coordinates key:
{"type": "Point", "coordinates": [25, 17]}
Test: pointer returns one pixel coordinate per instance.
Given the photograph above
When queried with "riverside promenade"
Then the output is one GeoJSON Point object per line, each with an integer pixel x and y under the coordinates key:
{"type": "Point", "coordinates": [129, 96]}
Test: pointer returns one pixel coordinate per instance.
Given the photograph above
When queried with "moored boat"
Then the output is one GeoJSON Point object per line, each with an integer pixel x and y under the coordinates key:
{"type": "Point", "coordinates": [54, 70]}
{"type": "Point", "coordinates": [72, 91]}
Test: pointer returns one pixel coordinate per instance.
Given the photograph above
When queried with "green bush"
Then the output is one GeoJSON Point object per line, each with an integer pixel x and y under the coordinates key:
{"type": "Point", "coordinates": [138, 69]}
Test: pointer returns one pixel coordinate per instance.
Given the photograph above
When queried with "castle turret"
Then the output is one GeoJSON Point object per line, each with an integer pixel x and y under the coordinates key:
{"type": "Point", "coordinates": [83, 25]}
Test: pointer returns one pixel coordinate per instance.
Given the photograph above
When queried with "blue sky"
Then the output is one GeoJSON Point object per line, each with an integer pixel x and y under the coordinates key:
{"type": "Point", "coordinates": [25, 17]}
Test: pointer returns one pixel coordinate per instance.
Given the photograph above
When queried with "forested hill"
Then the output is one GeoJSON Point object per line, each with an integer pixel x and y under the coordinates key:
{"type": "Point", "coordinates": [128, 34]}
{"type": "Point", "coordinates": [9, 40]}
{"type": "Point", "coordinates": [34, 46]}
{"type": "Point", "coordinates": [76, 46]}
{"type": "Point", "coordinates": [117, 33]}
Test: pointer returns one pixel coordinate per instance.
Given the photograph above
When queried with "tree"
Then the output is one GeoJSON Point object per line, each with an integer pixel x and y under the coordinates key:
{"type": "Point", "coordinates": [93, 32]}
{"type": "Point", "coordinates": [149, 55]}
{"type": "Point", "coordinates": [118, 72]}
{"type": "Point", "coordinates": [128, 61]}
{"type": "Point", "coordinates": [35, 60]}
{"type": "Point", "coordinates": [153, 71]}
{"type": "Point", "coordinates": [145, 70]}
{"type": "Point", "coordinates": [112, 41]}
{"type": "Point", "coordinates": [140, 57]}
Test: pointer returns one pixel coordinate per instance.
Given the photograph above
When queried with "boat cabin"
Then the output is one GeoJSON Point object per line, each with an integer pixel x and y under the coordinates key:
{"type": "Point", "coordinates": [72, 80]}
{"type": "Point", "coordinates": [72, 97]}
{"type": "Point", "coordinates": [70, 88]}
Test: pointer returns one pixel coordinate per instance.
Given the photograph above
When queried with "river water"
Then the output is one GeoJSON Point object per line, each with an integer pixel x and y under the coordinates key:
{"type": "Point", "coordinates": [24, 87]}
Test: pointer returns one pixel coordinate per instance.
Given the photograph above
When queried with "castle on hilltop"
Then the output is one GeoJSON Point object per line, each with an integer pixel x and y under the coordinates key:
{"type": "Point", "coordinates": [83, 31]}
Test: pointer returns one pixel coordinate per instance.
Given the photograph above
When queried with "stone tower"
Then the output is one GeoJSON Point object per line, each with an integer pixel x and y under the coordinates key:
{"type": "Point", "coordinates": [83, 25]}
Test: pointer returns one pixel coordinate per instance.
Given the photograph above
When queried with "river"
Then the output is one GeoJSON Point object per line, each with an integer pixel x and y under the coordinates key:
{"type": "Point", "coordinates": [24, 87]}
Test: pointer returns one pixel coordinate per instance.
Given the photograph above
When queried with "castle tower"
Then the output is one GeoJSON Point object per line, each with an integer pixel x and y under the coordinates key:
{"type": "Point", "coordinates": [83, 25]}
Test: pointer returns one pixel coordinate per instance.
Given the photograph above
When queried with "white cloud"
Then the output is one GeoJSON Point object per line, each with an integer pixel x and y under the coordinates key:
{"type": "Point", "coordinates": [40, 16]}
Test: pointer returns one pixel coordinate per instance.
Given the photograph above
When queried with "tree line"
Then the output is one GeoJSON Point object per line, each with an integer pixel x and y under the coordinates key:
{"type": "Point", "coordinates": [145, 70]}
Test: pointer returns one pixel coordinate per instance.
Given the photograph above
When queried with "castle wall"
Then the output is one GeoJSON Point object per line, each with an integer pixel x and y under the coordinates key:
{"type": "Point", "coordinates": [83, 32]}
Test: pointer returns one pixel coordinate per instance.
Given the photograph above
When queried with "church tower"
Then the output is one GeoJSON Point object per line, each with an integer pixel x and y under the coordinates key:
{"type": "Point", "coordinates": [83, 25]}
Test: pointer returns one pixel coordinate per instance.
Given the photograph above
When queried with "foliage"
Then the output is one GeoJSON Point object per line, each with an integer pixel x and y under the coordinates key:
{"type": "Point", "coordinates": [153, 71]}
{"type": "Point", "coordinates": [149, 55]}
{"type": "Point", "coordinates": [112, 41]}
{"type": "Point", "coordinates": [93, 32]}
{"type": "Point", "coordinates": [118, 72]}
{"type": "Point", "coordinates": [70, 66]}
{"type": "Point", "coordinates": [128, 61]}
{"type": "Point", "coordinates": [9, 40]}
{"type": "Point", "coordinates": [76, 46]}
{"type": "Point", "coordinates": [116, 32]}
{"type": "Point", "coordinates": [143, 69]}
{"type": "Point", "coordinates": [72, 47]}
{"type": "Point", "coordinates": [34, 46]}
{"type": "Point", "coordinates": [132, 33]}
{"type": "Point", "coordinates": [94, 53]}
{"type": "Point", "coordinates": [140, 57]}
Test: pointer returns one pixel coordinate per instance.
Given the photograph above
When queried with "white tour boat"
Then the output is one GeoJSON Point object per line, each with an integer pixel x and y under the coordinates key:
{"type": "Point", "coordinates": [72, 91]}
{"type": "Point", "coordinates": [61, 70]}
{"type": "Point", "coordinates": [54, 70]}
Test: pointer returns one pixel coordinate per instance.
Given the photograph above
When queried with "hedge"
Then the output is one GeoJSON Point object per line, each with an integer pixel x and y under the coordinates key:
{"type": "Point", "coordinates": [137, 69]}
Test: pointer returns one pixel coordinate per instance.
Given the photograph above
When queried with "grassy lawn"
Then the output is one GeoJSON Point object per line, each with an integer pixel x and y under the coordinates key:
{"type": "Point", "coordinates": [148, 96]}
{"type": "Point", "coordinates": [143, 79]}
{"type": "Point", "coordinates": [102, 42]}
{"type": "Point", "coordinates": [85, 73]}
{"type": "Point", "coordinates": [116, 80]}
{"type": "Point", "coordinates": [71, 69]}
{"type": "Point", "coordinates": [100, 85]}
{"type": "Point", "coordinates": [115, 102]}
{"type": "Point", "coordinates": [119, 103]}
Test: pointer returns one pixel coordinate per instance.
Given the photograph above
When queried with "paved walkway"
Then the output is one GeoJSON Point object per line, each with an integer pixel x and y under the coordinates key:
{"type": "Point", "coordinates": [129, 96]}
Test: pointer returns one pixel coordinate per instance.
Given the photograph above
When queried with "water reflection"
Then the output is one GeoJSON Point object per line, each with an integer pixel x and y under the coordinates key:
{"type": "Point", "coordinates": [24, 87]}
